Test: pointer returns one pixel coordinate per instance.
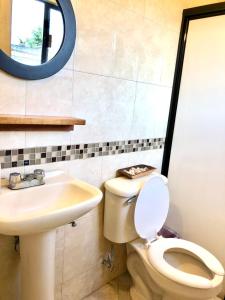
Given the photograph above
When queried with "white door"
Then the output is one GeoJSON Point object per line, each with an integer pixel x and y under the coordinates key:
{"type": "Point", "coordinates": [197, 164]}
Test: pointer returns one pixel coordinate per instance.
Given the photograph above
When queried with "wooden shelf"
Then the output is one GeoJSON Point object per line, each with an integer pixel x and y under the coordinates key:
{"type": "Point", "coordinates": [38, 123]}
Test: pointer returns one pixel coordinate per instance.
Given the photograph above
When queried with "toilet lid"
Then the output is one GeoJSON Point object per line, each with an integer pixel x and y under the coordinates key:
{"type": "Point", "coordinates": [151, 208]}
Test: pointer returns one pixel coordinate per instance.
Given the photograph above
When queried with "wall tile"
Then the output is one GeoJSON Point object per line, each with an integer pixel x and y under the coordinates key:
{"type": "Point", "coordinates": [194, 3]}
{"type": "Point", "coordinates": [106, 104]}
{"type": "Point", "coordinates": [35, 139]}
{"type": "Point", "coordinates": [93, 278]}
{"type": "Point", "coordinates": [138, 7]}
{"type": "Point", "coordinates": [125, 62]}
{"type": "Point", "coordinates": [151, 111]}
{"type": "Point", "coordinates": [59, 256]}
{"type": "Point", "coordinates": [110, 164]}
{"type": "Point", "coordinates": [11, 140]}
{"type": "Point", "coordinates": [62, 166]}
{"type": "Point", "coordinates": [88, 170]}
{"type": "Point", "coordinates": [165, 12]}
{"type": "Point", "coordinates": [9, 275]}
{"type": "Point", "coordinates": [127, 41]}
{"type": "Point", "coordinates": [108, 47]}
{"type": "Point", "coordinates": [127, 49]}
{"type": "Point", "coordinates": [79, 264]}
{"type": "Point", "coordinates": [51, 96]}
{"type": "Point", "coordinates": [157, 52]}
{"type": "Point", "coordinates": [12, 95]}
{"type": "Point", "coordinates": [94, 39]}
{"type": "Point", "coordinates": [169, 53]}
{"type": "Point", "coordinates": [77, 256]}
{"type": "Point", "coordinates": [152, 158]}
{"type": "Point", "coordinates": [150, 50]}
{"type": "Point", "coordinates": [70, 64]}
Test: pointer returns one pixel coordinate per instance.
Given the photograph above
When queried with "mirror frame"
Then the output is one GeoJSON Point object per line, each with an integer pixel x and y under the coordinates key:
{"type": "Point", "coordinates": [54, 65]}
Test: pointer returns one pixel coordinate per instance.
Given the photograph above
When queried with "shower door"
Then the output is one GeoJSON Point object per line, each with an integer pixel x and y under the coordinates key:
{"type": "Point", "coordinates": [196, 163]}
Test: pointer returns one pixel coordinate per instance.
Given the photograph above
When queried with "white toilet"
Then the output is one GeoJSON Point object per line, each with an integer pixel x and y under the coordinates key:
{"type": "Point", "coordinates": [161, 269]}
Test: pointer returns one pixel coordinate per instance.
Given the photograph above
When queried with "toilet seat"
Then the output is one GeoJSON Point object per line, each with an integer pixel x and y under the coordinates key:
{"type": "Point", "coordinates": [156, 258]}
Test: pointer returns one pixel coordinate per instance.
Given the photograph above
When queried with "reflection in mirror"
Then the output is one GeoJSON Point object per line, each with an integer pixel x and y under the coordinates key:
{"type": "Point", "coordinates": [31, 31]}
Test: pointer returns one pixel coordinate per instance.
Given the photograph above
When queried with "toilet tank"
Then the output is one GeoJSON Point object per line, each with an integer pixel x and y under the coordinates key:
{"type": "Point", "coordinates": [120, 200]}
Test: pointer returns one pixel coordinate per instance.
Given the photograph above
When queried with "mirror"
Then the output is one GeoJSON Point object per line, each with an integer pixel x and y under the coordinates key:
{"type": "Point", "coordinates": [33, 30]}
{"type": "Point", "coordinates": [35, 34]}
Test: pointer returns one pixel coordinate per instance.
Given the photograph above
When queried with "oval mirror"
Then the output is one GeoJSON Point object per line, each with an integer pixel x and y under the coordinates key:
{"type": "Point", "coordinates": [37, 37]}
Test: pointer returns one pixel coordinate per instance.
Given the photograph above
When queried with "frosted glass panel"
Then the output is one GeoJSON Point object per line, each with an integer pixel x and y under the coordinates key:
{"type": "Point", "coordinates": [197, 164]}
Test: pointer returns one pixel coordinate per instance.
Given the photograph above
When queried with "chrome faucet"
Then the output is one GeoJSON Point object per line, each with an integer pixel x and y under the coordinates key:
{"type": "Point", "coordinates": [17, 181]}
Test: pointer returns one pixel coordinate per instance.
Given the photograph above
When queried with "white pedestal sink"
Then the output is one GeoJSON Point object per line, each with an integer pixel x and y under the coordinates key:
{"type": "Point", "coordinates": [34, 214]}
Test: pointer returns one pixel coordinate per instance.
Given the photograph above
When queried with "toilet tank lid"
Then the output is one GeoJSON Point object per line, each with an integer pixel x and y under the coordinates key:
{"type": "Point", "coordinates": [124, 187]}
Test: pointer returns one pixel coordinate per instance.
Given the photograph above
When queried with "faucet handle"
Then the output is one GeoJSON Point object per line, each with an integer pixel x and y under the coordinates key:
{"type": "Point", "coordinates": [14, 178]}
{"type": "Point", "coordinates": [39, 174]}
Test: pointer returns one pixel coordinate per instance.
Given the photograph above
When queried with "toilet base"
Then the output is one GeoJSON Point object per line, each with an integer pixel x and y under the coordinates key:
{"type": "Point", "coordinates": [140, 289]}
{"type": "Point", "coordinates": [144, 288]}
{"type": "Point", "coordinates": [135, 295]}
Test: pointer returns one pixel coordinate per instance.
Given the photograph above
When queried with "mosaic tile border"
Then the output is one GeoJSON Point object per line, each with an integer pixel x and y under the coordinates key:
{"type": "Point", "coordinates": [50, 154]}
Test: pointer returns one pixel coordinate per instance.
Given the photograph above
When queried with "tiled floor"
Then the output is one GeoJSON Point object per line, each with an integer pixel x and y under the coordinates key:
{"type": "Point", "coordinates": [118, 289]}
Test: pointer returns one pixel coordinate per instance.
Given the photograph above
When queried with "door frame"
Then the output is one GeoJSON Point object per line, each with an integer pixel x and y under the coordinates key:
{"type": "Point", "coordinates": [190, 14]}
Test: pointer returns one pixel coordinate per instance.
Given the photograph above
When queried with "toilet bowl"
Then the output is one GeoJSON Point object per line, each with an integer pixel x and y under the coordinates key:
{"type": "Point", "coordinates": [161, 269]}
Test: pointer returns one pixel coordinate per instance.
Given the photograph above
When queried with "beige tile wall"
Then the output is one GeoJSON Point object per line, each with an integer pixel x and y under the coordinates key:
{"type": "Point", "coordinates": [193, 3]}
{"type": "Point", "coordinates": [120, 80]}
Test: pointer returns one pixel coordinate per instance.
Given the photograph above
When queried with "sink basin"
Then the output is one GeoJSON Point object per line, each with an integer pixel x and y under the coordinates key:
{"type": "Point", "coordinates": [43, 208]}
{"type": "Point", "coordinates": [34, 214]}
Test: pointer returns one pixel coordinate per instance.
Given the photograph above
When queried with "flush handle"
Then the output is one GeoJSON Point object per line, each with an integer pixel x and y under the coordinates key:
{"type": "Point", "coordinates": [131, 200]}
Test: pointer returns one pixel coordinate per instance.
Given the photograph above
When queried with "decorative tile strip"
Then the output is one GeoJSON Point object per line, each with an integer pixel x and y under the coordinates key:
{"type": "Point", "coordinates": [50, 154]}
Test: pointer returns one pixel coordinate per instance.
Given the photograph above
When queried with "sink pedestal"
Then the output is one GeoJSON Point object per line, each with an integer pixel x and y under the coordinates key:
{"type": "Point", "coordinates": [38, 266]}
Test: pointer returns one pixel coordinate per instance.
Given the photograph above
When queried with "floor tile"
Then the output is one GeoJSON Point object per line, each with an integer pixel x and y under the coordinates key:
{"type": "Point", "coordinates": [118, 289]}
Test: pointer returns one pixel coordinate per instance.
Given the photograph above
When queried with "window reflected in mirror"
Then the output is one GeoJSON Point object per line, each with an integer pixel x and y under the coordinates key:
{"type": "Point", "coordinates": [31, 31]}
